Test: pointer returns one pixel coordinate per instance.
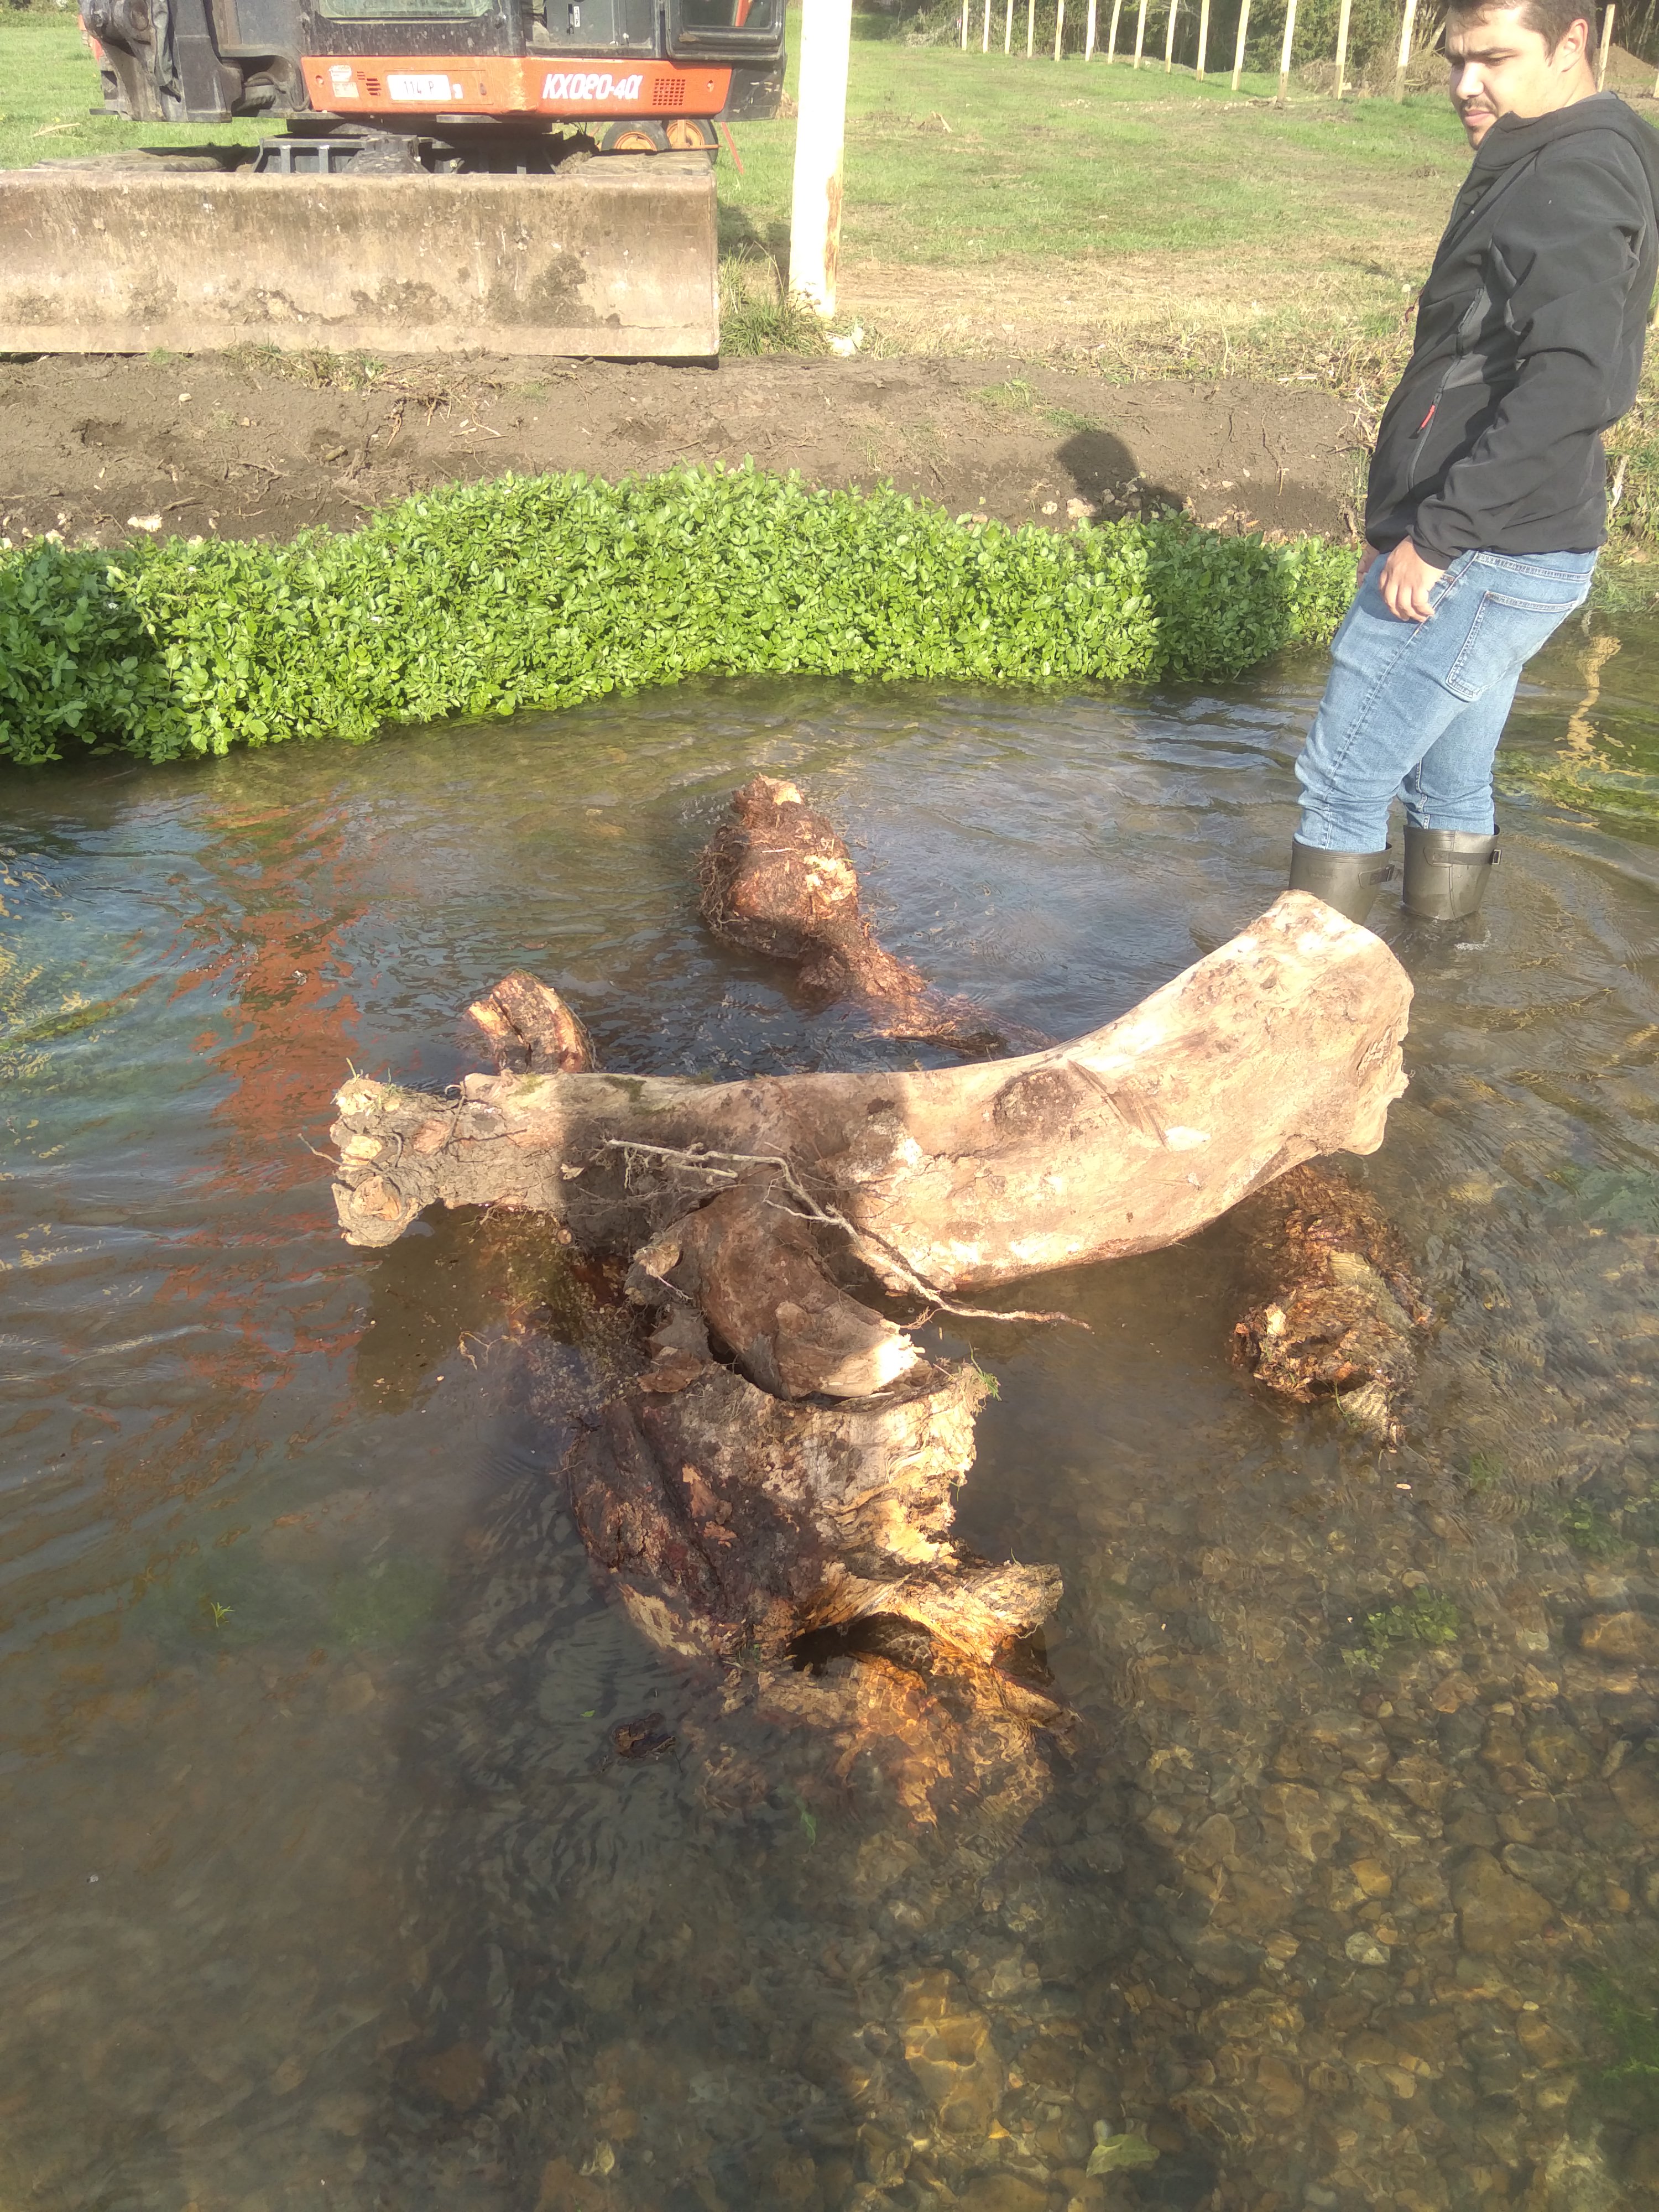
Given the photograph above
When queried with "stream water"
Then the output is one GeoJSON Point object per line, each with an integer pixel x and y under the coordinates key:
{"type": "Point", "coordinates": [322, 1882]}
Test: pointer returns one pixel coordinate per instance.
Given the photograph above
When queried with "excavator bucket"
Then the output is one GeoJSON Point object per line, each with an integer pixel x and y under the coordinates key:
{"type": "Point", "coordinates": [614, 256]}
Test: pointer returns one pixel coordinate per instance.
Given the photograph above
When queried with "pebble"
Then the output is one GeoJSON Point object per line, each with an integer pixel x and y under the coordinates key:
{"type": "Point", "coordinates": [1495, 1911]}
{"type": "Point", "coordinates": [1626, 1638]}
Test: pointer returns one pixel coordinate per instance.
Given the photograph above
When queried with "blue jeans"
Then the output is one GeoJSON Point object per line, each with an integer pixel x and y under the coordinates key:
{"type": "Point", "coordinates": [1418, 708]}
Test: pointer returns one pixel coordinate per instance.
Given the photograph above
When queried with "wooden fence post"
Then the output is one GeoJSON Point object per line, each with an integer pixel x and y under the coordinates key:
{"type": "Point", "coordinates": [1111, 38]}
{"type": "Point", "coordinates": [1060, 26]}
{"type": "Point", "coordinates": [1243, 34]}
{"type": "Point", "coordinates": [1140, 33]}
{"type": "Point", "coordinates": [1203, 37]}
{"type": "Point", "coordinates": [1008, 31]}
{"type": "Point", "coordinates": [1408, 24]}
{"type": "Point", "coordinates": [1342, 23]}
{"type": "Point", "coordinates": [1089, 35]}
{"type": "Point", "coordinates": [985, 33]}
{"type": "Point", "coordinates": [1606, 49]}
{"type": "Point", "coordinates": [1285, 51]}
{"type": "Point", "coordinates": [826, 34]}
{"type": "Point", "coordinates": [1030, 27]}
{"type": "Point", "coordinates": [1168, 37]}
{"type": "Point", "coordinates": [964, 25]}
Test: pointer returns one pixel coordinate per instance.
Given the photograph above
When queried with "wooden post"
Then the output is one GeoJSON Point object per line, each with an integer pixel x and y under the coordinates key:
{"type": "Point", "coordinates": [964, 25]}
{"type": "Point", "coordinates": [1060, 26]}
{"type": "Point", "coordinates": [1243, 34]}
{"type": "Point", "coordinates": [1031, 26]}
{"type": "Point", "coordinates": [1111, 36]}
{"type": "Point", "coordinates": [1140, 33]}
{"type": "Point", "coordinates": [1089, 35]}
{"type": "Point", "coordinates": [826, 34]}
{"type": "Point", "coordinates": [1008, 31]}
{"type": "Point", "coordinates": [985, 31]}
{"type": "Point", "coordinates": [1168, 37]}
{"type": "Point", "coordinates": [1408, 24]}
{"type": "Point", "coordinates": [1342, 24]}
{"type": "Point", "coordinates": [1606, 49]}
{"type": "Point", "coordinates": [1285, 51]}
{"type": "Point", "coordinates": [1203, 37]}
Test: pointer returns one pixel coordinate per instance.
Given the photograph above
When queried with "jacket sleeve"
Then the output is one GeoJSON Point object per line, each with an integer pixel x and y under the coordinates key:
{"type": "Point", "coordinates": [1573, 244]}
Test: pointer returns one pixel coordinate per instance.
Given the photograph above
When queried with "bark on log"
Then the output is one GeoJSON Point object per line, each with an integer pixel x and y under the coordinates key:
{"type": "Point", "coordinates": [1282, 1045]}
{"type": "Point", "coordinates": [777, 879]}
{"type": "Point", "coordinates": [1343, 1316]}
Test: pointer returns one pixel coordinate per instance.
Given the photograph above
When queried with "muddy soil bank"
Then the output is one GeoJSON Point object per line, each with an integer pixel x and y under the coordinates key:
{"type": "Point", "coordinates": [102, 447]}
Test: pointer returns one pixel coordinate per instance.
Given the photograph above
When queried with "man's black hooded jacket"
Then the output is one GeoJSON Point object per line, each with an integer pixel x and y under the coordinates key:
{"type": "Point", "coordinates": [1529, 335]}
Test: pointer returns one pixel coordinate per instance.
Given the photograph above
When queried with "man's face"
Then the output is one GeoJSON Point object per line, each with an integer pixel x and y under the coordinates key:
{"type": "Point", "coordinates": [1500, 67]}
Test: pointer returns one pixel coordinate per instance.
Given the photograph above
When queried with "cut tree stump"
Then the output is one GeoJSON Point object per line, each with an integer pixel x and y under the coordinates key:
{"type": "Point", "coordinates": [776, 1460]}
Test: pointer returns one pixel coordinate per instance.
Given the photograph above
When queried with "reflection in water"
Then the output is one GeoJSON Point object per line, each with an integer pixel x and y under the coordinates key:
{"type": "Point", "coordinates": [325, 1879]}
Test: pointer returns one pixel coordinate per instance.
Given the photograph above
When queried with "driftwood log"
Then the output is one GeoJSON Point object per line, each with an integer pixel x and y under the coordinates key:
{"type": "Point", "coordinates": [529, 1029]}
{"type": "Point", "coordinates": [1283, 1044]}
{"type": "Point", "coordinates": [782, 1459]}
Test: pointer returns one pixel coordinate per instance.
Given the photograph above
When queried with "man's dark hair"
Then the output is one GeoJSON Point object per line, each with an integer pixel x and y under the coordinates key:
{"type": "Point", "coordinates": [1551, 19]}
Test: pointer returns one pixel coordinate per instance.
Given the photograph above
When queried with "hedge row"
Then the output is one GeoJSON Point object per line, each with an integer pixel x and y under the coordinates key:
{"type": "Point", "coordinates": [549, 590]}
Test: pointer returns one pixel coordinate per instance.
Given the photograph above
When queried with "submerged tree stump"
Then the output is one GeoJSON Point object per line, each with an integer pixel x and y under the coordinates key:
{"type": "Point", "coordinates": [781, 1460]}
{"type": "Point", "coordinates": [777, 879]}
{"type": "Point", "coordinates": [1342, 1316]}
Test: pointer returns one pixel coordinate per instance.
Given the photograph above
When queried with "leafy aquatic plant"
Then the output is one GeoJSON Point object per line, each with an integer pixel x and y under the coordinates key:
{"type": "Point", "coordinates": [1426, 1618]}
{"type": "Point", "coordinates": [481, 599]}
{"type": "Point", "coordinates": [1628, 2020]}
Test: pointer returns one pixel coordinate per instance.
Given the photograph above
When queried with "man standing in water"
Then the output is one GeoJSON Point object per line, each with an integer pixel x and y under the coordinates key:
{"type": "Point", "coordinates": [1487, 502]}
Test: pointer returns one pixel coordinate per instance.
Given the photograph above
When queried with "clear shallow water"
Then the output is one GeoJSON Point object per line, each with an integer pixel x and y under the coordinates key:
{"type": "Point", "coordinates": [321, 1885]}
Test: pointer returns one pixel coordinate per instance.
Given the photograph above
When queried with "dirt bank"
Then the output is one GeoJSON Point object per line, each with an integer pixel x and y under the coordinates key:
{"type": "Point", "coordinates": [100, 448]}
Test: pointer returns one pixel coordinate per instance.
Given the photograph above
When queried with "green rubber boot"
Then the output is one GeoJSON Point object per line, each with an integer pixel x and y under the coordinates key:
{"type": "Point", "coordinates": [1447, 872]}
{"type": "Point", "coordinates": [1347, 881]}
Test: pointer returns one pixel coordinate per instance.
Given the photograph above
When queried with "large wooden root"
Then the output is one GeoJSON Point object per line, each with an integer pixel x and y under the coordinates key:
{"type": "Point", "coordinates": [735, 1522]}
{"type": "Point", "coordinates": [1342, 1316]}
{"type": "Point", "coordinates": [785, 1461]}
{"type": "Point", "coordinates": [777, 879]}
{"type": "Point", "coordinates": [1282, 1045]}
{"type": "Point", "coordinates": [803, 1479]}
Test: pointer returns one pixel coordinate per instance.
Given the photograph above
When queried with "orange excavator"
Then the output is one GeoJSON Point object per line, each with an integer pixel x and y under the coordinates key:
{"type": "Point", "coordinates": [509, 176]}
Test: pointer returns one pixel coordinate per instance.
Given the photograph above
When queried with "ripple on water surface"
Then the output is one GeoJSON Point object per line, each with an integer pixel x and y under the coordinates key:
{"type": "Point", "coordinates": [322, 1880]}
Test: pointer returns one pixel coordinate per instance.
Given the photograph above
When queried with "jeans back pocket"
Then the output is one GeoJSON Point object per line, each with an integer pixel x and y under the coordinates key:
{"type": "Point", "coordinates": [1504, 633]}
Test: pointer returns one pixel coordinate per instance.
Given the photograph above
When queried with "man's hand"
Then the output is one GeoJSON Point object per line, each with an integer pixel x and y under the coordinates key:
{"type": "Point", "coordinates": [1406, 582]}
